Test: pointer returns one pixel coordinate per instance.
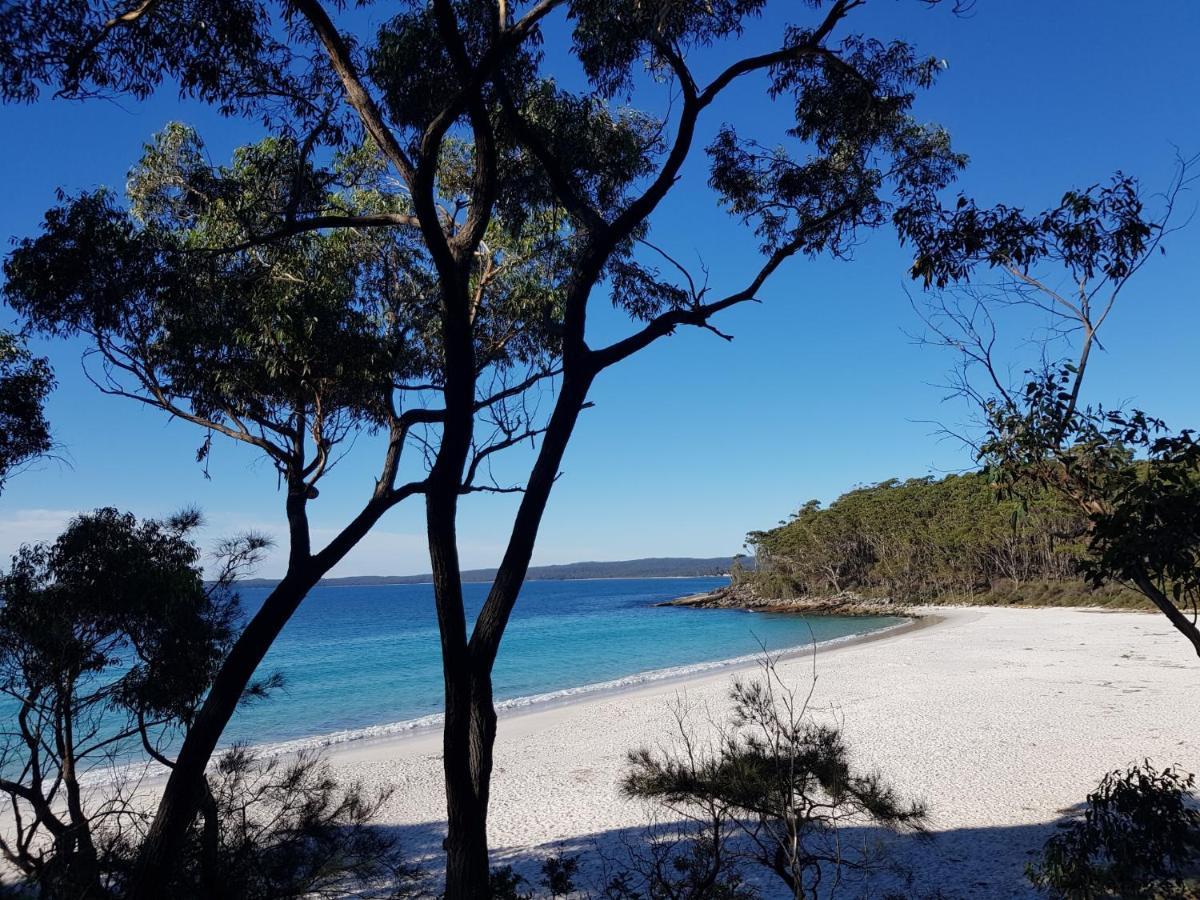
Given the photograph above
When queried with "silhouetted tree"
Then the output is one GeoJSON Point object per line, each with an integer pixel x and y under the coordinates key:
{"type": "Point", "coordinates": [109, 638]}
{"type": "Point", "coordinates": [25, 382]}
{"type": "Point", "coordinates": [418, 245]}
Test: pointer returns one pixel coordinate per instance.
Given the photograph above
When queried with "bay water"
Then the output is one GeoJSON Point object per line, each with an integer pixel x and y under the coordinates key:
{"type": "Point", "coordinates": [363, 661]}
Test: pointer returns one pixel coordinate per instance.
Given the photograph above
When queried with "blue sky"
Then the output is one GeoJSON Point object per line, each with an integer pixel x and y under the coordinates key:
{"type": "Point", "coordinates": [698, 441]}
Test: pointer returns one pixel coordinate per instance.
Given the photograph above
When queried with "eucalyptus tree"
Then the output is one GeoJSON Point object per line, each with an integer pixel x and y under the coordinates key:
{"type": "Point", "coordinates": [1135, 482]}
{"type": "Point", "coordinates": [25, 382]}
{"type": "Point", "coordinates": [417, 245]}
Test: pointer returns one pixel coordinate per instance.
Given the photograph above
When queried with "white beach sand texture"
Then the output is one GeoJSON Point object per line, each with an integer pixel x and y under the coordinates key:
{"type": "Point", "coordinates": [1000, 719]}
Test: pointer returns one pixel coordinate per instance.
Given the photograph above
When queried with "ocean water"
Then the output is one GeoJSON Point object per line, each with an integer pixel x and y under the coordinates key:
{"type": "Point", "coordinates": [364, 661]}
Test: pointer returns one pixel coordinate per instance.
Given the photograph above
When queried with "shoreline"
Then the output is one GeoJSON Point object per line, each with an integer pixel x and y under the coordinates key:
{"type": "Point", "coordinates": [1001, 720]}
{"type": "Point", "coordinates": [381, 735]}
{"type": "Point", "coordinates": [515, 708]}
{"type": "Point", "coordinates": [269, 583]}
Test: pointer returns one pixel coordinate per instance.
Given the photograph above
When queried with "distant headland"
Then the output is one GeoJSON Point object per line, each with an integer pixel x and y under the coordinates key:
{"type": "Point", "coordinates": [651, 567]}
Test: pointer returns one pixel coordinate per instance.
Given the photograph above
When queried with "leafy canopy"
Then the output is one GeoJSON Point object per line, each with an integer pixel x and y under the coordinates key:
{"type": "Point", "coordinates": [25, 383]}
{"type": "Point", "coordinates": [119, 610]}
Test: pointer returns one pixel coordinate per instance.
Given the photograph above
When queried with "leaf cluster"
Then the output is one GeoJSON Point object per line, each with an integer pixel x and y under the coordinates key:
{"type": "Point", "coordinates": [852, 107]}
{"type": "Point", "coordinates": [1139, 834]}
{"type": "Point", "coordinates": [612, 39]}
{"type": "Point", "coordinates": [1099, 230]}
{"type": "Point", "coordinates": [118, 609]}
{"type": "Point", "coordinates": [25, 383]}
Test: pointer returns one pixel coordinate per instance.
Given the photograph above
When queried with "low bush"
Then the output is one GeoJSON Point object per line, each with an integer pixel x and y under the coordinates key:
{"type": "Point", "coordinates": [1138, 838]}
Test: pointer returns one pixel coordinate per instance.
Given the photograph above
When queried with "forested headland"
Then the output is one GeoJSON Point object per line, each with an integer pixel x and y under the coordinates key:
{"type": "Point", "coordinates": [953, 539]}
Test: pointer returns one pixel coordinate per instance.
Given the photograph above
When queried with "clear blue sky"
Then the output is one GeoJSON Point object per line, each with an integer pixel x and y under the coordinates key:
{"type": "Point", "coordinates": [698, 441]}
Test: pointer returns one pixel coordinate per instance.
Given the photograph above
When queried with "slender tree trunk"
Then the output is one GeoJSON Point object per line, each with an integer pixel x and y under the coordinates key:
{"type": "Point", "coordinates": [467, 870]}
{"type": "Point", "coordinates": [186, 787]}
{"type": "Point", "coordinates": [210, 845]}
{"type": "Point", "coordinates": [75, 845]}
{"type": "Point", "coordinates": [470, 732]}
{"type": "Point", "coordinates": [510, 577]}
{"type": "Point", "coordinates": [1182, 623]}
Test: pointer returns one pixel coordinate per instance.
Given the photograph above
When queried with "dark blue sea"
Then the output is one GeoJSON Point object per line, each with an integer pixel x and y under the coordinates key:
{"type": "Point", "coordinates": [364, 661]}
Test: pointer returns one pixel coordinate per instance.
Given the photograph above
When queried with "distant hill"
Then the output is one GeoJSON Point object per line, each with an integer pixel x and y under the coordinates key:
{"type": "Point", "coordinates": [653, 567]}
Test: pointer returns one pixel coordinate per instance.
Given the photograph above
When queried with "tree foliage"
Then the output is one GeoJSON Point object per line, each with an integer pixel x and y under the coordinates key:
{"type": "Point", "coordinates": [109, 639]}
{"type": "Point", "coordinates": [919, 540]}
{"type": "Point", "coordinates": [25, 382]}
{"type": "Point", "coordinates": [1138, 482]}
{"type": "Point", "coordinates": [1138, 838]}
{"type": "Point", "coordinates": [783, 783]}
{"type": "Point", "coordinates": [1133, 481]}
{"type": "Point", "coordinates": [417, 245]}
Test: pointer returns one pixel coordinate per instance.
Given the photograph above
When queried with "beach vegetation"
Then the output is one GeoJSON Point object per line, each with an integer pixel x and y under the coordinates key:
{"type": "Point", "coordinates": [689, 859]}
{"type": "Point", "coordinates": [774, 787]}
{"type": "Point", "coordinates": [281, 828]}
{"type": "Point", "coordinates": [1134, 480]}
{"type": "Point", "coordinates": [1138, 837]}
{"type": "Point", "coordinates": [414, 252]}
{"type": "Point", "coordinates": [556, 879]}
{"type": "Point", "coordinates": [949, 539]}
{"type": "Point", "coordinates": [109, 638]}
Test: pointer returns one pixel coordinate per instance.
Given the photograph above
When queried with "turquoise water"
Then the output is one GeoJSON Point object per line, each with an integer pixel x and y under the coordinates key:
{"type": "Point", "coordinates": [359, 661]}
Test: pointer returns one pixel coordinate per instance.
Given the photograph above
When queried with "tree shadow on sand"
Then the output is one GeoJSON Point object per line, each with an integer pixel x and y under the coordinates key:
{"type": "Point", "coordinates": [977, 863]}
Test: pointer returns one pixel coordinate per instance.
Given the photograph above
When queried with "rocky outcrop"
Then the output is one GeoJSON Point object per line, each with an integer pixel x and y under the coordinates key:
{"type": "Point", "coordinates": [846, 603]}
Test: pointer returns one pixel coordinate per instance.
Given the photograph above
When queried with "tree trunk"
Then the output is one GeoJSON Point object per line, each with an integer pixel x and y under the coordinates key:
{"type": "Point", "coordinates": [210, 845]}
{"type": "Point", "coordinates": [75, 845]}
{"type": "Point", "coordinates": [1182, 623]}
{"type": "Point", "coordinates": [470, 732]}
{"type": "Point", "coordinates": [186, 787]}
{"type": "Point", "coordinates": [468, 772]}
{"type": "Point", "coordinates": [467, 870]}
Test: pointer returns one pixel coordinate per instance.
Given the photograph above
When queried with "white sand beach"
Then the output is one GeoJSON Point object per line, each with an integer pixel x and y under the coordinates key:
{"type": "Point", "coordinates": [1000, 719]}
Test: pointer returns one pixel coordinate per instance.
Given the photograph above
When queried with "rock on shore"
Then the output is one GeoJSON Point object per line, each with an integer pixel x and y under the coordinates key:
{"type": "Point", "coordinates": [846, 603]}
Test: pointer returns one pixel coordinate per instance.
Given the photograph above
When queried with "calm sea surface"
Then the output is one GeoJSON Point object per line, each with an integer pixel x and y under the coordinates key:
{"type": "Point", "coordinates": [362, 661]}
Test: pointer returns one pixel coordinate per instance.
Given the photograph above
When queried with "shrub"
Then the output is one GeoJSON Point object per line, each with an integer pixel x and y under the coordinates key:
{"type": "Point", "coordinates": [779, 781]}
{"type": "Point", "coordinates": [1139, 832]}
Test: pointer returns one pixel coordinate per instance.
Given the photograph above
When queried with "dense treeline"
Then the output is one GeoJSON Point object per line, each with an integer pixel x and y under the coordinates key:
{"type": "Point", "coordinates": [920, 539]}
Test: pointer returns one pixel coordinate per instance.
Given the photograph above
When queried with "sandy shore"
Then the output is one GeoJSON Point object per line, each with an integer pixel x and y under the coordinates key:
{"type": "Point", "coordinates": [1001, 720]}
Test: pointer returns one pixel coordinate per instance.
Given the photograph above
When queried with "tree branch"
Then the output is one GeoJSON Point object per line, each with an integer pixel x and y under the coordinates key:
{"type": "Point", "coordinates": [316, 223]}
{"type": "Point", "coordinates": [697, 315]}
{"type": "Point", "coordinates": [356, 94]}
